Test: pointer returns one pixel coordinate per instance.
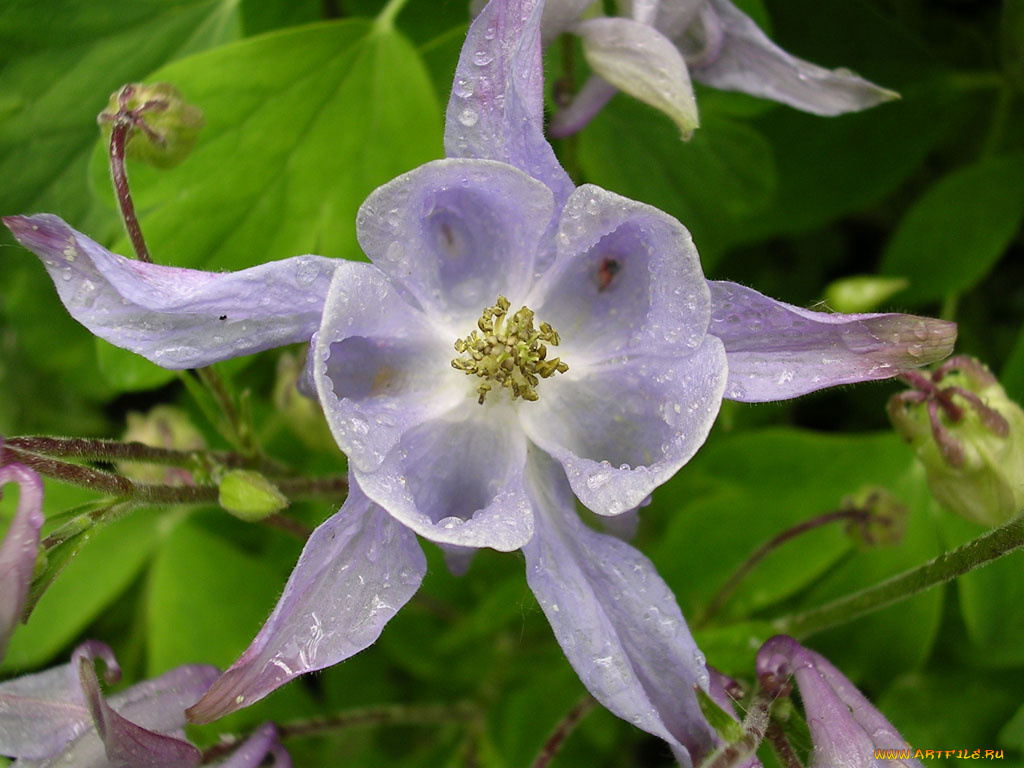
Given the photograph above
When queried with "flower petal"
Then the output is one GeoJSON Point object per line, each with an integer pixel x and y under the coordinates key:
{"type": "Point", "coordinates": [456, 233]}
{"type": "Point", "coordinates": [626, 280]}
{"type": "Point", "coordinates": [496, 110]}
{"type": "Point", "coordinates": [378, 367]}
{"type": "Point", "coordinates": [616, 620]}
{"type": "Point", "coordinates": [748, 61]}
{"type": "Point", "coordinates": [251, 754]}
{"type": "Point", "coordinates": [355, 572]}
{"type": "Point", "coordinates": [777, 351]}
{"type": "Point", "coordinates": [20, 547]}
{"type": "Point", "coordinates": [845, 727]}
{"type": "Point", "coordinates": [40, 713]}
{"type": "Point", "coordinates": [623, 429]}
{"type": "Point", "coordinates": [459, 481]}
{"type": "Point", "coordinates": [590, 100]}
{"type": "Point", "coordinates": [178, 318]}
{"type": "Point", "coordinates": [128, 744]}
{"type": "Point", "coordinates": [642, 62]}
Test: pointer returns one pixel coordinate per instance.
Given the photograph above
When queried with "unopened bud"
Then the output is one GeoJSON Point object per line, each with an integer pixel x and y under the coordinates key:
{"type": "Point", "coordinates": [863, 293]}
{"type": "Point", "coordinates": [249, 495]}
{"type": "Point", "coordinates": [163, 127]}
{"type": "Point", "coordinates": [879, 519]}
{"type": "Point", "coordinates": [970, 437]}
{"type": "Point", "coordinates": [163, 427]}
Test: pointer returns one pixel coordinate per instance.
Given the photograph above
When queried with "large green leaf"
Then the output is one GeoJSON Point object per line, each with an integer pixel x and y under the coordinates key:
{"type": "Point", "coordinates": [301, 125]}
{"type": "Point", "coordinates": [957, 230]}
{"type": "Point", "coordinates": [206, 599]}
{"type": "Point", "coordinates": [60, 61]}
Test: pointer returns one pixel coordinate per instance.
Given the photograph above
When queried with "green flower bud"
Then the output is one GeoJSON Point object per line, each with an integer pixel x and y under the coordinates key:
{"type": "Point", "coordinates": [863, 293]}
{"type": "Point", "coordinates": [162, 126]}
{"type": "Point", "coordinates": [163, 427]}
{"type": "Point", "coordinates": [970, 437]}
{"type": "Point", "coordinates": [881, 520]}
{"type": "Point", "coordinates": [249, 495]}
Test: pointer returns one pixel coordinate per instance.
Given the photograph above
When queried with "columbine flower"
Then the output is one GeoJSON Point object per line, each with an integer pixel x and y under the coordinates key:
{"type": "Point", "coordinates": [20, 547]}
{"type": "Point", "coordinates": [60, 716]}
{"type": "Point", "coordinates": [653, 55]}
{"type": "Point", "coordinates": [517, 343]}
{"type": "Point", "coordinates": [845, 728]}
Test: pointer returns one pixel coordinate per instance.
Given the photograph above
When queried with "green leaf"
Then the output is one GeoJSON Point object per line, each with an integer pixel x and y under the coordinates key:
{"type": "Point", "coordinates": [128, 372]}
{"type": "Point", "coordinates": [1012, 375]}
{"type": "Point", "coordinates": [221, 593]}
{"type": "Point", "coordinates": [301, 125]}
{"type": "Point", "coordinates": [724, 172]}
{"type": "Point", "coordinates": [955, 233]}
{"type": "Point", "coordinates": [97, 576]}
{"type": "Point", "coordinates": [61, 60]}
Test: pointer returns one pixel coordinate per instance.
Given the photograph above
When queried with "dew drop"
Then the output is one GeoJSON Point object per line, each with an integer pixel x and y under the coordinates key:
{"type": "Point", "coordinates": [482, 58]}
{"type": "Point", "coordinates": [468, 117]}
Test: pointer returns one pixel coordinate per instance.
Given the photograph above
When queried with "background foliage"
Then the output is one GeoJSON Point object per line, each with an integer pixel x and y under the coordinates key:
{"type": "Point", "coordinates": [308, 108]}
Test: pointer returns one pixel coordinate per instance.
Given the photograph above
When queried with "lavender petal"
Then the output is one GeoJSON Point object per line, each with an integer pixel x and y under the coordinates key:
{"type": "Point", "coordinates": [455, 234]}
{"type": "Point", "coordinates": [496, 111]}
{"type": "Point", "coordinates": [622, 429]}
{"type": "Point", "coordinates": [178, 318]}
{"type": "Point", "coordinates": [590, 100]}
{"type": "Point", "coordinates": [20, 548]}
{"type": "Point", "coordinates": [777, 351]}
{"type": "Point", "coordinates": [616, 620]}
{"type": "Point", "coordinates": [457, 481]}
{"type": "Point", "coordinates": [355, 572]}
{"type": "Point", "coordinates": [749, 62]}
{"type": "Point", "coordinates": [252, 753]}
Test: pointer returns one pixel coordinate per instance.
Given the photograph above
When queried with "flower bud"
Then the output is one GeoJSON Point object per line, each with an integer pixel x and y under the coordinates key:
{"type": "Point", "coordinates": [163, 127]}
{"type": "Point", "coordinates": [880, 521]}
{"type": "Point", "coordinates": [163, 427]}
{"type": "Point", "coordinates": [970, 437]}
{"type": "Point", "coordinates": [249, 495]}
{"type": "Point", "coordinates": [862, 293]}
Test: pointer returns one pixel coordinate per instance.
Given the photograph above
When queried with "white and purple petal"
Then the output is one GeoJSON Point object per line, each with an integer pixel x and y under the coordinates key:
{"type": "Point", "coordinates": [640, 61]}
{"type": "Point", "coordinates": [20, 547]}
{"type": "Point", "coordinates": [583, 108]}
{"type": "Point", "coordinates": [459, 480]}
{"type": "Point", "coordinates": [496, 110]}
{"type": "Point", "coordinates": [616, 620]}
{"type": "Point", "coordinates": [845, 727]}
{"type": "Point", "coordinates": [355, 572]}
{"type": "Point", "coordinates": [746, 60]}
{"type": "Point", "coordinates": [379, 366]}
{"type": "Point", "coordinates": [457, 233]}
{"type": "Point", "coordinates": [777, 351]}
{"type": "Point", "coordinates": [178, 318]}
{"type": "Point", "coordinates": [622, 429]}
{"type": "Point", "coordinates": [626, 280]}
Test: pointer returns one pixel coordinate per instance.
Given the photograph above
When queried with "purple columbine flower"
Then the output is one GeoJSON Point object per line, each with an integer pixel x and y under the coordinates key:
{"type": "Point", "coordinates": [60, 717]}
{"type": "Point", "coordinates": [515, 344]}
{"type": "Point", "coordinates": [653, 54]}
{"type": "Point", "coordinates": [20, 547]}
{"type": "Point", "coordinates": [845, 727]}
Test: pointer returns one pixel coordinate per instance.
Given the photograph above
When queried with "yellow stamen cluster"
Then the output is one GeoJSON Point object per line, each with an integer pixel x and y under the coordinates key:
{"type": "Point", "coordinates": [509, 351]}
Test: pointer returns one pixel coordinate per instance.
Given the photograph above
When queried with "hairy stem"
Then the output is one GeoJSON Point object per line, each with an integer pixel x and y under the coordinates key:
{"type": "Point", "coordinates": [562, 731]}
{"type": "Point", "coordinates": [754, 727]}
{"type": "Point", "coordinates": [119, 174]}
{"type": "Point", "coordinates": [974, 554]}
{"type": "Point", "coordinates": [784, 751]}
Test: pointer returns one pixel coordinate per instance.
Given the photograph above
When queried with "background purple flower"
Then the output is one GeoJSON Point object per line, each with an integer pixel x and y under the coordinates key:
{"type": "Point", "coordinates": [20, 547]}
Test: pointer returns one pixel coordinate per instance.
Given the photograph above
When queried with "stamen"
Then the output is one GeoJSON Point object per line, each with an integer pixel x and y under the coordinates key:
{"type": "Point", "coordinates": [508, 350]}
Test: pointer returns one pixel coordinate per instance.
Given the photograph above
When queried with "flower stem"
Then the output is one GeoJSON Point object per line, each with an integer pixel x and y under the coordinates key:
{"type": "Point", "coordinates": [754, 727]}
{"type": "Point", "coordinates": [386, 18]}
{"type": "Point", "coordinates": [784, 751]}
{"type": "Point", "coordinates": [727, 589]}
{"type": "Point", "coordinates": [119, 174]}
{"type": "Point", "coordinates": [981, 551]}
{"type": "Point", "coordinates": [396, 714]}
{"type": "Point", "coordinates": [562, 731]}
